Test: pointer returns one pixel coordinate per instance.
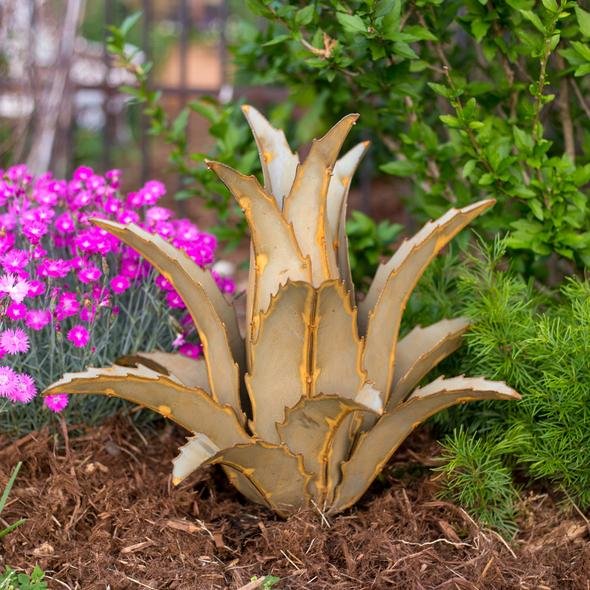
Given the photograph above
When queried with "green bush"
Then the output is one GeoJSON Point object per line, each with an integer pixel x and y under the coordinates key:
{"type": "Point", "coordinates": [539, 343]}
{"type": "Point", "coordinates": [13, 580]}
{"type": "Point", "coordinates": [464, 98]}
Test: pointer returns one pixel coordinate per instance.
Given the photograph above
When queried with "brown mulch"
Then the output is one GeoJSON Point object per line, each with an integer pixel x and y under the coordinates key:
{"type": "Point", "coordinates": [102, 514]}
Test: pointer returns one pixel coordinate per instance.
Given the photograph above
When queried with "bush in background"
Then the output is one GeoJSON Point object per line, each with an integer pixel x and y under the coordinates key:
{"type": "Point", "coordinates": [463, 98]}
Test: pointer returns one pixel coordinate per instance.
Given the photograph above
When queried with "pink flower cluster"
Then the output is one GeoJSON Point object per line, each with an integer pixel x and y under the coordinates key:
{"type": "Point", "coordinates": [61, 274]}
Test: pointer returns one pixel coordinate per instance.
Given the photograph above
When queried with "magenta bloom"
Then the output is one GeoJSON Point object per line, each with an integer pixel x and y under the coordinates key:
{"type": "Point", "coordinates": [191, 350]}
{"type": "Point", "coordinates": [24, 389]}
{"type": "Point", "coordinates": [36, 288]}
{"type": "Point", "coordinates": [34, 230]}
{"type": "Point", "coordinates": [68, 305]}
{"type": "Point", "coordinates": [64, 224]}
{"type": "Point", "coordinates": [56, 402]}
{"type": "Point", "coordinates": [14, 341]}
{"type": "Point", "coordinates": [7, 381]}
{"type": "Point", "coordinates": [37, 319]}
{"type": "Point", "coordinates": [89, 274]}
{"type": "Point", "coordinates": [17, 289]}
{"type": "Point", "coordinates": [163, 283]}
{"type": "Point", "coordinates": [79, 336]}
{"type": "Point", "coordinates": [54, 268]}
{"type": "Point", "coordinates": [15, 261]}
{"type": "Point", "coordinates": [173, 300]}
{"type": "Point", "coordinates": [120, 284]}
{"type": "Point", "coordinates": [16, 311]}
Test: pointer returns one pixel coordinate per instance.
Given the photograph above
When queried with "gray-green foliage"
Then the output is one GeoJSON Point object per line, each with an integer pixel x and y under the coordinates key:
{"type": "Point", "coordinates": [464, 98]}
{"type": "Point", "coordinates": [539, 342]}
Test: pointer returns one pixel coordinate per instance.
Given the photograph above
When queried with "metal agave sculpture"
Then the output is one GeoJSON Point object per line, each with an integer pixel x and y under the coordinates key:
{"type": "Point", "coordinates": [311, 402]}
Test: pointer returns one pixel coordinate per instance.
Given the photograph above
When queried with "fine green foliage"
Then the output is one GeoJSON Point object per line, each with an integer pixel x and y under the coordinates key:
{"type": "Point", "coordinates": [369, 243]}
{"type": "Point", "coordinates": [466, 99]}
{"type": "Point", "coordinates": [4, 498]}
{"type": "Point", "coordinates": [539, 342]}
{"type": "Point", "coordinates": [13, 580]}
{"type": "Point", "coordinates": [476, 476]}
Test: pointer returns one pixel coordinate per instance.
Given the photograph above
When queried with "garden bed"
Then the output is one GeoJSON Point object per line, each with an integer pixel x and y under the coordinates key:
{"type": "Point", "coordinates": [102, 513]}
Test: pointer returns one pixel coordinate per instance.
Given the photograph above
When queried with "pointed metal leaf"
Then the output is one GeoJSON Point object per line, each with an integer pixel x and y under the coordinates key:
{"type": "Point", "coordinates": [375, 447]}
{"type": "Point", "coordinates": [309, 429]}
{"type": "Point", "coordinates": [337, 348]}
{"type": "Point", "coordinates": [306, 205]}
{"type": "Point", "coordinates": [190, 407]}
{"type": "Point", "coordinates": [344, 170]}
{"type": "Point", "coordinates": [307, 344]}
{"type": "Point", "coordinates": [191, 372]}
{"type": "Point", "coordinates": [276, 379]}
{"type": "Point", "coordinates": [277, 257]}
{"type": "Point", "coordinates": [192, 455]}
{"type": "Point", "coordinates": [420, 351]}
{"type": "Point", "coordinates": [276, 473]}
{"type": "Point", "coordinates": [214, 318]}
{"type": "Point", "coordinates": [279, 163]}
{"type": "Point", "coordinates": [394, 282]}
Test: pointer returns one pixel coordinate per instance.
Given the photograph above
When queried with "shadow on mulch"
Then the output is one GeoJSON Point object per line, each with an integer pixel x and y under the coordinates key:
{"type": "Point", "coordinates": [103, 514]}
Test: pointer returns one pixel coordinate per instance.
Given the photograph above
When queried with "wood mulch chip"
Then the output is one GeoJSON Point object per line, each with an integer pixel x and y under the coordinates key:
{"type": "Point", "coordinates": [102, 514]}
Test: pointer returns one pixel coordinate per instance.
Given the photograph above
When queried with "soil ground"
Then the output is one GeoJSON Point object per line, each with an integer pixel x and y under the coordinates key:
{"type": "Point", "coordinates": [102, 514]}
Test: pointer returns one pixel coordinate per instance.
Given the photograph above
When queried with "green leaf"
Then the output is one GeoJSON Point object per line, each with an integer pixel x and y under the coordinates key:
{"type": "Point", "coordinates": [450, 121]}
{"type": "Point", "coordinates": [551, 5]}
{"type": "Point", "coordinates": [404, 50]}
{"type": "Point", "coordinates": [469, 167]}
{"type": "Point", "coordinates": [351, 23]}
{"type": "Point", "coordinates": [304, 16]}
{"type": "Point", "coordinates": [583, 18]}
{"type": "Point", "coordinates": [278, 39]}
{"type": "Point", "coordinates": [385, 7]}
{"type": "Point", "coordinates": [129, 23]}
{"type": "Point", "coordinates": [441, 89]}
{"type": "Point", "coordinates": [523, 140]}
{"type": "Point", "coordinates": [533, 19]}
{"type": "Point", "coordinates": [399, 168]}
{"type": "Point", "coordinates": [479, 28]}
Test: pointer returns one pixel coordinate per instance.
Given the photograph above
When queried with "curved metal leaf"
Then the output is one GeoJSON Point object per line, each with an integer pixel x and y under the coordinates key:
{"type": "Point", "coordinates": [277, 474]}
{"type": "Point", "coordinates": [279, 163]}
{"type": "Point", "coordinates": [420, 351]}
{"type": "Point", "coordinates": [375, 447]}
{"type": "Point", "coordinates": [277, 257]}
{"type": "Point", "coordinates": [306, 204]}
{"type": "Point", "coordinates": [188, 371]}
{"type": "Point", "coordinates": [276, 379]}
{"type": "Point", "coordinates": [307, 344]}
{"type": "Point", "coordinates": [394, 282]}
{"type": "Point", "coordinates": [344, 170]}
{"type": "Point", "coordinates": [309, 429]}
{"type": "Point", "coordinates": [190, 407]}
{"type": "Point", "coordinates": [192, 455]}
{"type": "Point", "coordinates": [214, 318]}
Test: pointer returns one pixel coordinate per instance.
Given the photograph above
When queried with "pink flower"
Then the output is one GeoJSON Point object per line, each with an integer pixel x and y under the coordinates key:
{"type": "Point", "coordinates": [173, 300]}
{"type": "Point", "coordinates": [89, 274]}
{"type": "Point", "coordinates": [34, 230]}
{"type": "Point", "coordinates": [191, 350]}
{"type": "Point", "coordinates": [153, 191]}
{"type": "Point", "coordinates": [16, 311]}
{"type": "Point", "coordinates": [178, 341]}
{"type": "Point", "coordinates": [64, 224]}
{"type": "Point", "coordinates": [154, 214]}
{"type": "Point", "coordinates": [14, 341]}
{"type": "Point", "coordinates": [120, 284]}
{"type": "Point", "coordinates": [56, 402]}
{"type": "Point", "coordinates": [163, 283]}
{"type": "Point", "coordinates": [37, 319]}
{"type": "Point", "coordinates": [16, 289]}
{"type": "Point", "coordinates": [87, 314]}
{"type": "Point", "coordinates": [24, 389]}
{"type": "Point", "coordinates": [68, 305]}
{"type": "Point", "coordinates": [82, 173]}
{"type": "Point", "coordinates": [15, 261]}
{"type": "Point", "coordinates": [127, 216]}
{"type": "Point", "coordinates": [7, 381]}
{"type": "Point", "coordinates": [54, 268]}
{"type": "Point", "coordinates": [36, 288]}
{"type": "Point", "coordinates": [79, 336]}
{"type": "Point", "coordinates": [129, 268]}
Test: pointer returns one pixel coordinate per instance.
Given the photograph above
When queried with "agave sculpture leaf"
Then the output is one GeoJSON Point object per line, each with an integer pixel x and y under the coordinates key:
{"type": "Point", "coordinates": [309, 405]}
